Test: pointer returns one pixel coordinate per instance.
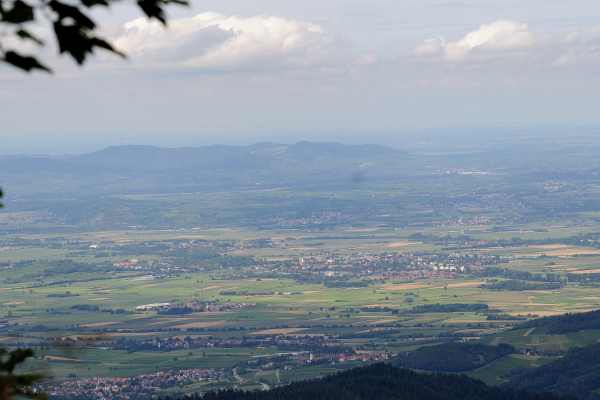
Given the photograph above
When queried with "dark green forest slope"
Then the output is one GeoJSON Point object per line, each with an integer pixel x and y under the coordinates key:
{"type": "Point", "coordinates": [453, 357]}
{"type": "Point", "coordinates": [566, 323]}
{"type": "Point", "coordinates": [381, 382]}
{"type": "Point", "coordinates": [576, 374]}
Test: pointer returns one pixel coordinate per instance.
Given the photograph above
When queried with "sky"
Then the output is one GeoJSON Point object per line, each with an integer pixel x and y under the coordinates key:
{"type": "Point", "coordinates": [242, 71]}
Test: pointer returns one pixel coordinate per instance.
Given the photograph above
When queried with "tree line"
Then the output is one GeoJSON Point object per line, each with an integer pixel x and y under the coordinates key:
{"type": "Point", "coordinates": [566, 323]}
{"type": "Point", "coordinates": [515, 285]}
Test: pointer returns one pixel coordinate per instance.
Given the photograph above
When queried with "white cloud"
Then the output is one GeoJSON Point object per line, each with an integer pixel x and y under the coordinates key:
{"type": "Point", "coordinates": [587, 53]}
{"type": "Point", "coordinates": [503, 40]}
{"type": "Point", "coordinates": [499, 37]}
{"type": "Point", "coordinates": [430, 47]}
{"type": "Point", "coordinates": [210, 40]}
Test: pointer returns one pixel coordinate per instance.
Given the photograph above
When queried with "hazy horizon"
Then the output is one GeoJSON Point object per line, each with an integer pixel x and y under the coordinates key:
{"type": "Point", "coordinates": [249, 71]}
{"type": "Point", "coordinates": [396, 139]}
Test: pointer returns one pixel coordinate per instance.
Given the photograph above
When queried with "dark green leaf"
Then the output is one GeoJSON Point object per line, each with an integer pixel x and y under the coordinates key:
{"type": "Point", "coordinates": [72, 40]}
{"type": "Point", "coordinates": [90, 3]}
{"type": "Point", "coordinates": [26, 63]}
{"type": "Point", "coordinates": [26, 35]}
{"type": "Point", "coordinates": [76, 41]}
{"type": "Point", "coordinates": [153, 9]}
{"type": "Point", "coordinates": [21, 12]}
{"type": "Point", "coordinates": [67, 11]}
{"type": "Point", "coordinates": [17, 385]}
{"type": "Point", "coordinates": [101, 43]}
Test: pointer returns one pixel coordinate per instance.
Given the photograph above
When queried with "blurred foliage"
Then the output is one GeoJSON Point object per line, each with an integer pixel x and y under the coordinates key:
{"type": "Point", "coordinates": [12, 384]}
{"type": "Point", "coordinates": [69, 22]}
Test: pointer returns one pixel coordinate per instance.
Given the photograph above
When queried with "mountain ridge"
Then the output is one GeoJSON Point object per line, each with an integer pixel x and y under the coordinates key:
{"type": "Point", "coordinates": [142, 169]}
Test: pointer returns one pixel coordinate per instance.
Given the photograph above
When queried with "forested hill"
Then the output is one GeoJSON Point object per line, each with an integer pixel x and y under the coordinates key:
{"type": "Point", "coordinates": [148, 169]}
{"type": "Point", "coordinates": [576, 374]}
{"type": "Point", "coordinates": [454, 357]}
{"type": "Point", "coordinates": [566, 323]}
{"type": "Point", "coordinates": [381, 382]}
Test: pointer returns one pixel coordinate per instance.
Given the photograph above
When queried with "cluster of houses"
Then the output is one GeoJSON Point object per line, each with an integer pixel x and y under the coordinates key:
{"type": "Point", "coordinates": [195, 306]}
{"type": "Point", "coordinates": [306, 357]}
{"type": "Point", "coordinates": [453, 222]}
{"type": "Point", "coordinates": [132, 387]}
{"type": "Point", "coordinates": [323, 218]}
{"type": "Point", "coordinates": [151, 384]}
{"type": "Point", "coordinates": [199, 306]}
{"type": "Point", "coordinates": [368, 266]}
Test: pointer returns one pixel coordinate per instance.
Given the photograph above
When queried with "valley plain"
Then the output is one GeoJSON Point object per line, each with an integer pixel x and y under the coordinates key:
{"type": "Point", "coordinates": [356, 256]}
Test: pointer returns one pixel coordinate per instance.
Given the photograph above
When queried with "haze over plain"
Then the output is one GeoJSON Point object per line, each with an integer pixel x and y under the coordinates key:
{"type": "Point", "coordinates": [237, 72]}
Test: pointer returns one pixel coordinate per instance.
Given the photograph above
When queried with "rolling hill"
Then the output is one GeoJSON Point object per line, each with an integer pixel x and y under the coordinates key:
{"type": "Point", "coordinates": [124, 170]}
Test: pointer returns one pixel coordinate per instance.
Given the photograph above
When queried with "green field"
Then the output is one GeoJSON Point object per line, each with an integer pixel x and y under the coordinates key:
{"type": "Point", "coordinates": [492, 374]}
{"type": "Point", "coordinates": [262, 275]}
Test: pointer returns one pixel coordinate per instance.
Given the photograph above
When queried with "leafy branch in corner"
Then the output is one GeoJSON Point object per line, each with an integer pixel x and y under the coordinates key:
{"type": "Point", "coordinates": [17, 384]}
{"type": "Point", "coordinates": [73, 29]}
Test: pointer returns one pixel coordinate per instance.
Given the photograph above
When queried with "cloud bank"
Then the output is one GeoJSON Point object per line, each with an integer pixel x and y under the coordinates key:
{"type": "Point", "coordinates": [216, 41]}
{"type": "Point", "coordinates": [504, 40]}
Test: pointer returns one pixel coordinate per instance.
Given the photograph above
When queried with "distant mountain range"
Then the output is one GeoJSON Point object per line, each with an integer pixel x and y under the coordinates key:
{"type": "Point", "coordinates": [148, 169]}
{"type": "Point", "coordinates": [151, 159]}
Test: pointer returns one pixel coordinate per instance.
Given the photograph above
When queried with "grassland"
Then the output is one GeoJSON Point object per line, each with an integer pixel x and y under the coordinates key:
{"type": "Point", "coordinates": [307, 314]}
{"type": "Point", "coordinates": [257, 247]}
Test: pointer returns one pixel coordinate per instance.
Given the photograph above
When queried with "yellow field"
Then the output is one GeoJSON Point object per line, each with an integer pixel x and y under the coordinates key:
{"type": "Point", "coordinates": [100, 324]}
{"type": "Point", "coordinates": [62, 358]}
{"type": "Point", "coordinates": [202, 324]}
{"type": "Point", "coordinates": [559, 250]}
{"type": "Point", "coordinates": [586, 271]}
{"type": "Point", "coordinates": [400, 244]}
{"type": "Point", "coordinates": [285, 331]}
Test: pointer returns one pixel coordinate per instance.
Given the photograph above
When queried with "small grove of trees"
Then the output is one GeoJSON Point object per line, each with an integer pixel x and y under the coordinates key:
{"type": "Point", "coordinates": [516, 285]}
{"type": "Point", "coordinates": [451, 307]}
{"type": "Point", "coordinates": [515, 274]}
